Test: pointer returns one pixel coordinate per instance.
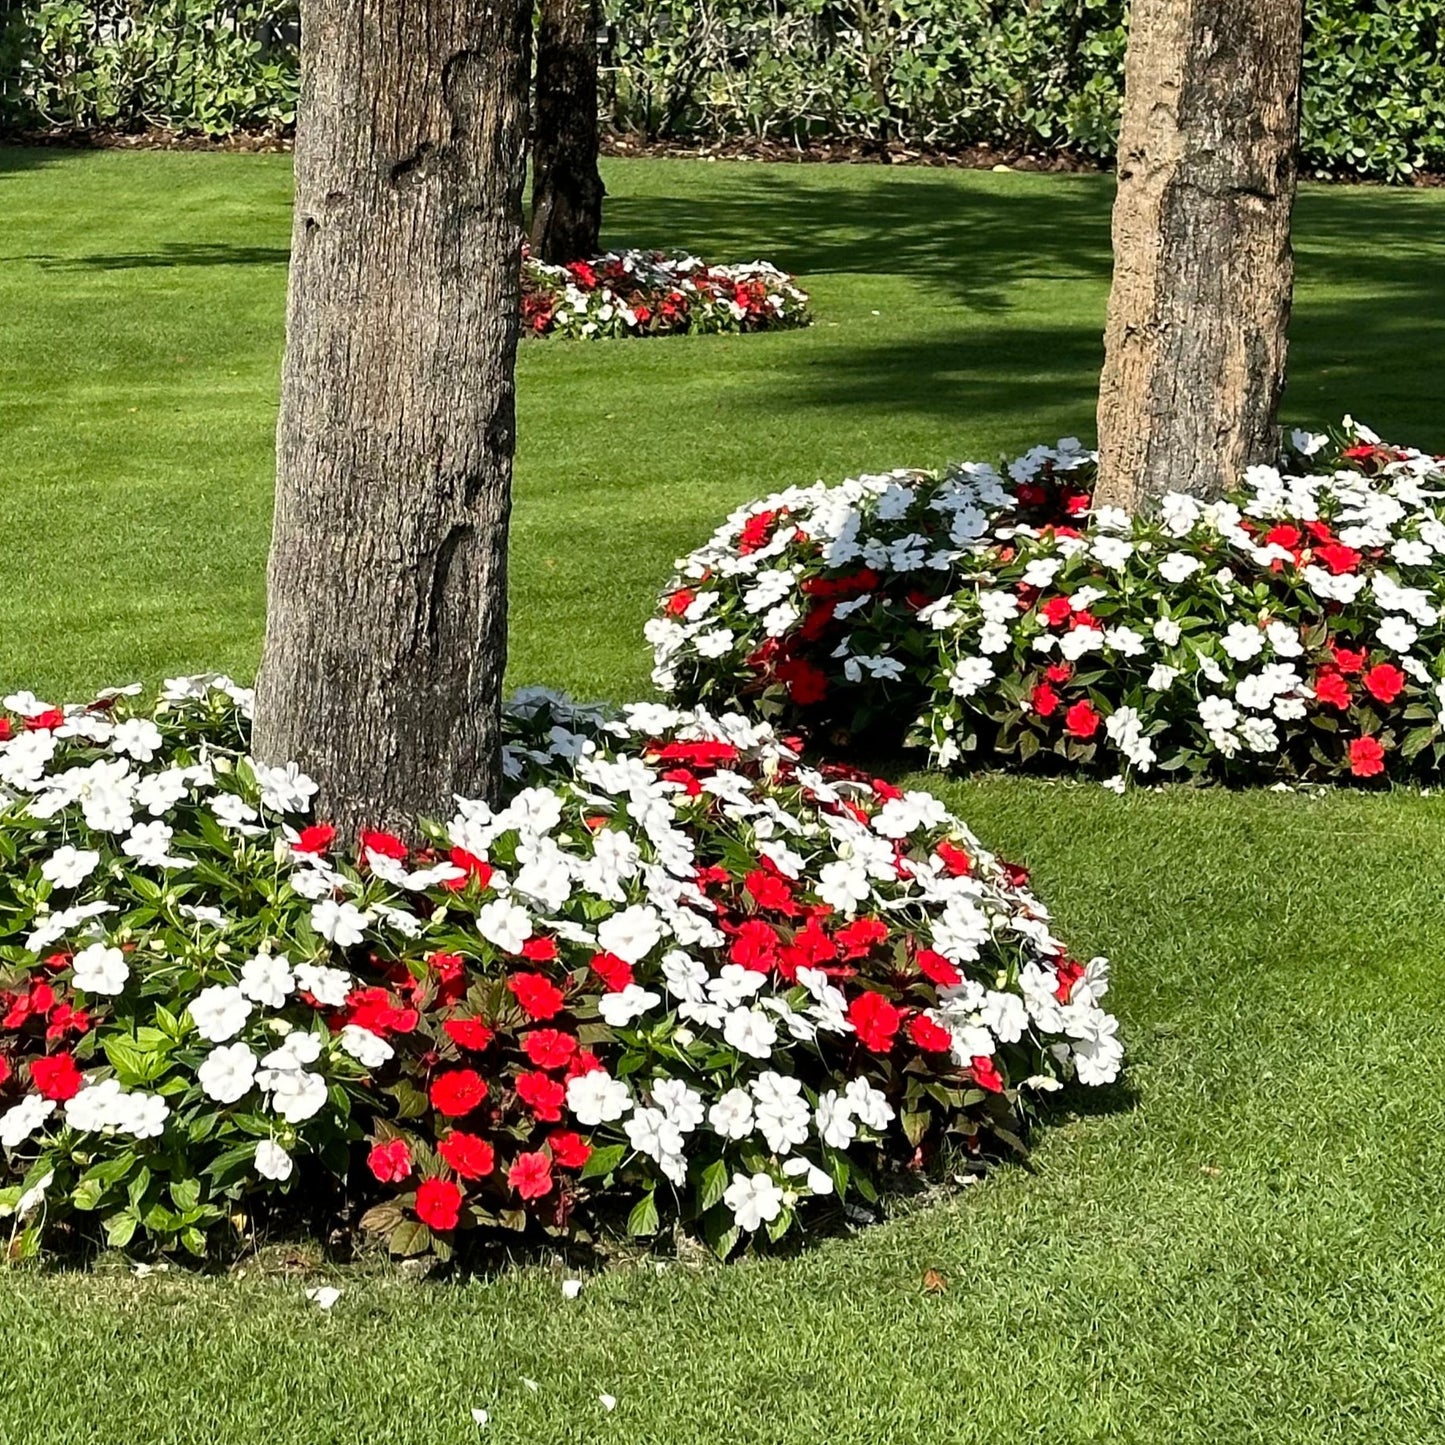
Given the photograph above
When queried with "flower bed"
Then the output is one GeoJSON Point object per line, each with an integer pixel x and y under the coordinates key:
{"type": "Point", "coordinates": [679, 975]}
{"type": "Point", "coordinates": [651, 293]}
{"type": "Point", "coordinates": [1290, 631]}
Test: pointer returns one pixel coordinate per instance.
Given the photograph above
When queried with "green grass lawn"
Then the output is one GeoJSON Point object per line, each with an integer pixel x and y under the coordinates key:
{"type": "Point", "coordinates": [1251, 1247]}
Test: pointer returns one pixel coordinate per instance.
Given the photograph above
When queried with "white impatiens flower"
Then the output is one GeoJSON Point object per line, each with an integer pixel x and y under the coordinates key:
{"type": "Point", "coordinates": [149, 845]}
{"type": "Point", "coordinates": [681, 1103]}
{"type": "Point", "coordinates": [369, 1050]}
{"type": "Point", "coordinates": [273, 1162]}
{"type": "Point", "coordinates": [328, 986]}
{"type": "Point", "coordinates": [137, 738]}
{"type": "Point", "coordinates": [1179, 567]}
{"type": "Point", "coordinates": [1397, 634]}
{"type": "Point", "coordinates": [650, 1132]}
{"type": "Point", "coordinates": [69, 867]}
{"type": "Point", "coordinates": [780, 1112]}
{"type": "Point", "coordinates": [732, 1115]}
{"type": "Point", "coordinates": [622, 1008]}
{"type": "Point", "coordinates": [343, 924]}
{"type": "Point", "coordinates": [506, 925]}
{"type": "Point", "coordinates": [219, 1012]}
{"type": "Point", "coordinates": [284, 789]}
{"type": "Point", "coordinates": [970, 675]}
{"type": "Point", "coordinates": [1167, 631]}
{"type": "Point", "coordinates": [267, 979]}
{"type": "Point", "coordinates": [227, 1073]}
{"type": "Point", "coordinates": [754, 1200]}
{"type": "Point", "coordinates": [870, 1106]}
{"type": "Point", "coordinates": [834, 1120]}
{"type": "Point", "coordinates": [22, 1120]}
{"type": "Point", "coordinates": [1242, 641]}
{"type": "Point", "coordinates": [632, 934]}
{"type": "Point", "coordinates": [100, 969]}
{"type": "Point", "coordinates": [750, 1032]}
{"type": "Point", "coordinates": [597, 1098]}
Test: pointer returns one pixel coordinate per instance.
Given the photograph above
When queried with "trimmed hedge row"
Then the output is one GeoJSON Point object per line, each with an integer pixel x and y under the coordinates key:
{"type": "Point", "coordinates": [936, 73]}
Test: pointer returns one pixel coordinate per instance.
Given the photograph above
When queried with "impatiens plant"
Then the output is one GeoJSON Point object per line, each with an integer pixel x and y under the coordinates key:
{"type": "Point", "coordinates": [1289, 631]}
{"type": "Point", "coordinates": [651, 293]}
{"type": "Point", "coordinates": [677, 974]}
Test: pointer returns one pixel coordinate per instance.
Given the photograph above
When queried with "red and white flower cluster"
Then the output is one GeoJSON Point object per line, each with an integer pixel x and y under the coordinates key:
{"type": "Point", "coordinates": [651, 293]}
{"type": "Point", "coordinates": [1290, 630]}
{"type": "Point", "coordinates": [676, 970]}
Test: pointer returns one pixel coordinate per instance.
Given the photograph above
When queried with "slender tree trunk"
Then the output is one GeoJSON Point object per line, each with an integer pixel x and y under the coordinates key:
{"type": "Point", "coordinates": [1195, 344]}
{"type": "Point", "coordinates": [567, 187]}
{"type": "Point", "coordinates": [386, 627]}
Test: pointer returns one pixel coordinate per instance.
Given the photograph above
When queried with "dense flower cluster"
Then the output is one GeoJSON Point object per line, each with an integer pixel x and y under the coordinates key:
{"type": "Point", "coordinates": [678, 970]}
{"type": "Point", "coordinates": [1291, 630]}
{"type": "Point", "coordinates": [650, 293]}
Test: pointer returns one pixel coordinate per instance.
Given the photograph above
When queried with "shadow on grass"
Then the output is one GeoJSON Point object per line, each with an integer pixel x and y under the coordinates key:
{"type": "Point", "coordinates": [176, 253]}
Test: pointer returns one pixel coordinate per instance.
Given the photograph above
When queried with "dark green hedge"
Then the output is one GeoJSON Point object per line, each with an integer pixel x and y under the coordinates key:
{"type": "Point", "coordinates": [1039, 74]}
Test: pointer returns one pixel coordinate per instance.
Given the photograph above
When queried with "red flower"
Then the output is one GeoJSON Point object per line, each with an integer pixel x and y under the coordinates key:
{"type": "Point", "coordinates": [56, 1077]}
{"type": "Point", "coordinates": [1045, 700]}
{"type": "Point", "coordinates": [755, 946]}
{"type": "Point", "coordinates": [45, 722]}
{"type": "Point", "coordinates": [929, 1035]}
{"type": "Point", "coordinates": [807, 684]}
{"type": "Point", "coordinates": [1056, 611]}
{"type": "Point", "coordinates": [569, 1150]}
{"type": "Point", "coordinates": [539, 997]}
{"type": "Point", "coordinates": [1332, 690]}
{"type": "Point", "coordinates": [875, 1021]}
{"type": "Point", "coordinates": [439, 1204]}
{"type": "Point", "coordinates": [1384, 682]}
{"type": "Point", "coordinates": [471, 1157]}
{"type": "Point", "coordinates": [937, 969]}
{"type": "Point", "coordinates": [468, 1033]}
{"type": "Point", "coordinates": [1349, 662]}
{"type": "Point", "coordinates": [543, 1095]}
{"type": "Point", "coordinates": [317, 838]}
{"type": "Point", "coordinates": [540, 949]}
{"type": "Point", "coordinates": [986, 1074]}
{"type": "Point", "coordinates": [755, 532]}
{"type": "Point", "coordinates": [1367, 757]}
{"type": "Point", "coordinates": [549, 1048]}
{"type": "Point", "coordinates": [1337, 557]}
{"type": "Point", "coordinates": [1283, 536]}
{"type": "Point", "coordinates": [391, 1161]}
{"type": "Point", "coordinates": [615, 972]}
{"type": "Point", "coordinates": [387, 844]}
{"type": "Point", "coordinates": [1059, 672]}
{"type": "Point", "coordinates": [457, 1092]}
{"type": "Point", "coordinates": [477, 870]}
{"type": "Point", "coordinates": [770, 891]}
{"type": "Point", "coordinates": [375, 1009]}
{"type": "Point", "coordinates": [956, 863]}
{"type": "Point", "coordinates": [531, 1175]}
{"type": "Point", "coordinates": [67, 1019]}
{"type": "Point", "coordinates": [679, 602]}
{"type": "Point", "coordinates": [858, 938]}
{"type": "Point", "coordinates": [1081, 721]}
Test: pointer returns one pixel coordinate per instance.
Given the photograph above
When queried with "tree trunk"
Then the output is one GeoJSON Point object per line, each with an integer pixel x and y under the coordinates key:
{"type": "Point", "coordinates": [567, 187]}
{"type": "Point", "coordinates": [1198, 314]}
{"type": "Point", "coordinates": [386, 626]}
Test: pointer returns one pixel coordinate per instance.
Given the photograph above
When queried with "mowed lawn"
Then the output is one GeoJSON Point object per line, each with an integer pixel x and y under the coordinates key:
{"type": "Point", "coordinates": [1247, 1245]}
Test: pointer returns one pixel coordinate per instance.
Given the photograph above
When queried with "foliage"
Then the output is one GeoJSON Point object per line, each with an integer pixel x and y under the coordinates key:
{"type": "Point", "coordinates": [950, 73]}
{"type": "Point", "coordinates": [1292, 630]}
{"type": "Point", "coordinates": [679, 975]}
{"type": "Point", "coordinates": [650, 293]}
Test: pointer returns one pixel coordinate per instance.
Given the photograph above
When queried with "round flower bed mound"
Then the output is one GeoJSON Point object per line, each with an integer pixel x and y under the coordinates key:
{"type": "Point", "coordinates": [678, 975]}
{"type": "Point", "coordinates": [652, 293]}
{"type": "Point", "coordinates": [1291, 631]}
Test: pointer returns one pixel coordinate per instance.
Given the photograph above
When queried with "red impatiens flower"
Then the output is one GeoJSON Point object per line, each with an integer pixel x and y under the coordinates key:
{"type": "Point", "coordinates": [475, 870]}
{"type": "Point", "coordinates": [755, 946]}
{"type": "Point", "coordinates": [1332, 689]}
{"type": "Point", "coordinates": [1059, 672]}
{"type": "Point", "coordinates": [928, 1035]}
{"type": "Point", "coordinates": [543, 1095]}
{"type": "Point", "coordinates": [956, 863]}
{"type": "Point", "coordinates": [1056, 611]}
{"type": "Point", "coordinates": [770, 891]}
{"type": "Point", "coordinates": [469, 1156]}
{"type": "Point", "coordinates": [1384, 682]}
{"type": "Point", "coordinates": [388, 845]}
{"type": "Point", "coordinates": [549, 1048]}
{"type": "Point", "coordinates": [390, 1161]}
{"type": "Point", "coordinates": [1045, 700]}
{"type": "Point", "coordinates": [56, 1077]}
{"type": "Point", "coordinates": [375, 1009]}
{"type": "Point", "coordinates": [67, 1019]}
{"type": "Point", "coordinates": [468, 1033]}
{"type": "Point", "coordinates": [1349, 661]}
{"type": "Point", "coordinates": [986, 1074]}
{"type": "Point", "coordinates": [457, 1092]}
{"type": "Point", "coordinates": [1284, 536]}
{"type": "Point", "coordinates": [859, 938]}
{"type": "Point", "coordinates": [615, 972]}
{"type": "Point", "coordinates": [439, 1204]}
{"type": "Point", "coordinates": [540, 949]}
{"type": "Point", "coordinates": [1367, 757]}
{"type": "Point", "coordinates": [807, 683]}
{"type": "Point", "coordinates": [531, 1175]}
{"type": "Point", "coordinates": [539, 997]}
{"type": "Point", "coordinates": [875, 1021]}
{"type": "Point", "coordinates": [1081, 721]}
{"type": "Point", "coordinates": [569, 1150]}
{"type": "Point", "coordinates": [680, 601]}
{"type": "Point", "coordinates": [1337, 557]}
{"type": "Point", "coordinates": [317, 838]}
{"type": "Point", "coordinates": [937, 969]}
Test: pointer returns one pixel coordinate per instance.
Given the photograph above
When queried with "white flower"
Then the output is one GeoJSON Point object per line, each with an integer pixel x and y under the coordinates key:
{"type": "Point", "coordinates": [969, 675]}
{"type": "Point", "coordinates": [284, 789]}
{"type": "Point", "coordinates": [267, 979]}
{"type": "Point", "coordinates": [227, 1073]}
{"type": "Point", "coordinates": [504, 924]}
{"type": "Point", "coordinates": [621, 1008]}
{"type": "Point", "coordinates": [100, 970]}
{"type": "Point", "coordinates": [680, 1103]}
{"type": "Point", "coordinates": [650, 1132]}
{"type": "Point", "coordinates": [753, 1201]}
{"type": "Point", "coordinates": [343, 924]}
{"type": "Point", "coordinates": [1111, 551]}
{"type": "Point", "coordinates": [296, 1094]}
{"type": "Point", "coordinates": [631, 935]}
{"type": "Point", "coordinates": [149, 845]}
{"type": "Point", "coordinates": [328, 986]}
{"type": "Point", "coordinates": [138, 738]}
{"type": "Point", "coordinates": [1163, 677]}
{"type": "Point", "coordinates": [369, 1050]}
{"type": "Point", "coordinates": [1179, 567]}
{"type": "Point", "coordinates": [1167, 631]}
{"type": "Point", "coordinates": [751, 1032]}
{"type": "Point", "coordinates": [834, 1119]}
{"type": "Point", "coordinates": [597, 1098]}
{"type": "Point", "coordinates": [69, 867]}
{"type": "Point", "coordinates": [1242, 641]}
{"type": "Point", "coordinates": [21, 1120]}
{"type": "Point", "coordinates": [732, 1115]}
{"type": "Point", "coordinates": [219, 1012]}
{"type": "Point", "coordinates": [273, 1162]}
{"type": "Point", "coordinates": [870, 1106]}
{"type": "Point", "coordinates": [780, 1112]}
{"type": "Point", "coordinates": [1397, 634]}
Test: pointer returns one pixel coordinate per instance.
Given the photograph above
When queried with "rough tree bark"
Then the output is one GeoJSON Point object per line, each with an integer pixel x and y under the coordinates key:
{"type": "Point", "coordinates": [386, 626]}
{"type": "Point", "coordinates": [567, 187]}
{"type": "Point", "coordinates": [1195, 343]}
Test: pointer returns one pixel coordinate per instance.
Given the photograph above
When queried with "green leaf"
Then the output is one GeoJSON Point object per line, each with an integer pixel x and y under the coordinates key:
{"type": "Point", "coordinates": [602, 1162]}
{"type": "Point", "coordinates": [644, 1220]}
{"type": "Point", "coordinates": [410, 1238]}
{"type": "Point", "coordinates": [120, 1229]}
{"type": "Point", "coordinates": [712, 1185]}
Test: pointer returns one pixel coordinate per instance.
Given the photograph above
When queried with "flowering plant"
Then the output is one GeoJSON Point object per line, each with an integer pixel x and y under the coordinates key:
{"type": "Point", "coordinates": [651, 293]}
{"type": "Point", "coordinates": [675, 972]}
{"type": "Point", "coordinates": [1290, 630]}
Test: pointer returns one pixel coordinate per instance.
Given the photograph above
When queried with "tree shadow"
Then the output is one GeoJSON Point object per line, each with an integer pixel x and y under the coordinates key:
{"type": "Point", "coordinates": [172, 254]}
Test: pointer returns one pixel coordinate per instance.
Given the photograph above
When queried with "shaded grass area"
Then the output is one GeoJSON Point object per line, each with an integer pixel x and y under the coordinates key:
{"type": "Point", "coordinates": [1251, 1249]}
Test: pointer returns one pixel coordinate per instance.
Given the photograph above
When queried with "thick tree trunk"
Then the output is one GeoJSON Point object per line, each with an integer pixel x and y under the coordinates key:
{"type": "Point", "coordinates": [567, 188]}
{"type": "Point", "coordinates": [386, 628]}
{"type": "Point", "coordinates": [1195, 344]}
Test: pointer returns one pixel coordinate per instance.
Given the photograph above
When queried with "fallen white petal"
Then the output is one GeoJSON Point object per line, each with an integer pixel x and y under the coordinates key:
{"type": "Point", "coordinates": [571, 1288]}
